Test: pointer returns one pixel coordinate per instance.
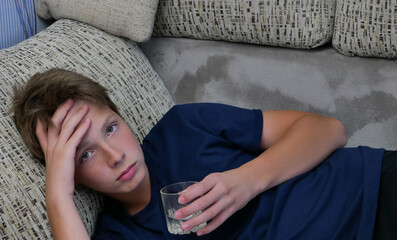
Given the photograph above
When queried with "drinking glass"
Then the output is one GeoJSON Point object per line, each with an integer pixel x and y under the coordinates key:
{"type": "Point", "coordinates": [169, 196]}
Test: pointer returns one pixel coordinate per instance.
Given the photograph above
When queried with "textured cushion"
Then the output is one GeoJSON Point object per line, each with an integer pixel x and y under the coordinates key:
{"type": "Point", "coordinates": [297, 24]}
{"type": "Point", "coordinates": [117, 64]}
{"type": "Point", "coordinates": [127, 18]}
{"type": "Point", "coordinates": [366, 28]}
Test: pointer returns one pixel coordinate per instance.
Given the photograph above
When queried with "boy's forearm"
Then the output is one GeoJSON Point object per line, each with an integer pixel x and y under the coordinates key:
{"type": "Point", "coordinates": [303, 146]}
{"type": "Point", "coordinates": [64, 219]}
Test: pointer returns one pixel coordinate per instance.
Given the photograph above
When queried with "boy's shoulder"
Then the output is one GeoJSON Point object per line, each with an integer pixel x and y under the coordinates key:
{"type": "Point", "coordinates": [204, 110]}
{"type": "Point", "coordinates": [213, 118]}
{"type": "Point", "coordinates": [194, 111]}
{"type": "Point", "coordinates": [193, 107]}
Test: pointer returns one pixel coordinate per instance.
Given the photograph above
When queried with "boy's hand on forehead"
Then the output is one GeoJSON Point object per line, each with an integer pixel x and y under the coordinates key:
{"type": "Point", "coordinates": [59, 143]}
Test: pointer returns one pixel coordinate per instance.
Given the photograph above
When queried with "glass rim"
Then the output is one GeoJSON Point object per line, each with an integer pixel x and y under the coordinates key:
{"type": "Point", "coordinates": [189, 183]}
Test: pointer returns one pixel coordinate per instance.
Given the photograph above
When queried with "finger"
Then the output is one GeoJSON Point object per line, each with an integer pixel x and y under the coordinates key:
{"type": "Point", "coordinates": [204, 202]}
{"type": "Point", "coordinates": [61, 112]}
{"type": "Point", "coordinates": [79, 133]}
{"type": "Point", "coordinates": [68, 128]}
{"type": "Point", "coordinates": [216, 222]}
{"type": "Point", "coordinates": [196, 190]}
{"type": "Point", "coordinates": [58, 117]}
{"type": "Point", "coordinates": [197, 205]}
{"type": "Point", "coordinates": [41, 133]}
{"type": "Point", "coordinates": [209, 213]}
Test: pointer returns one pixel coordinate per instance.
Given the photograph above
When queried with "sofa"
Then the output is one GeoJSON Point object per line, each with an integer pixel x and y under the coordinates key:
{"type": "Point", "coordinates": [305, 55]}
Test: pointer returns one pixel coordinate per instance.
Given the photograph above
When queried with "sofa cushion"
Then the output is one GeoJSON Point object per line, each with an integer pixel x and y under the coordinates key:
{"type": "Point", "coordinates": [117, 64]}
{"type": "Point", "coordinates": [297, 24]}
{"type": "Point", "coordinates": [361, 92]}
{"type": "Point", "coordinates": [132, 19]}
{"type": "Point", "coordinates": [366, 28]}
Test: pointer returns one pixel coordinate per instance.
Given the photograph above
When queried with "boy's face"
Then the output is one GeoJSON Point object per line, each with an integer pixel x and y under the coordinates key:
{"type": "Point", "coordinates": [109, 159]}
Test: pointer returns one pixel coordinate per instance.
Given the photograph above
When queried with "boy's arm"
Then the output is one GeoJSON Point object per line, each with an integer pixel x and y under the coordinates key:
{"type": "Point", "coordinates": [293, 142]}
{"type": "Point", "coordinates": [59, 143]}
{"type": "Point", "coordinates": [64, 219]}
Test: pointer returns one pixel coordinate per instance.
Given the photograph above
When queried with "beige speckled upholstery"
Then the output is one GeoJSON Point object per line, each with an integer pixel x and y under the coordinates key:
{"type": "Point", "coordinates": [297, 24]}
{"type": "Point", "coordinates": [127, 18]}
{"type": "Point", "coordinates": [366, 28]}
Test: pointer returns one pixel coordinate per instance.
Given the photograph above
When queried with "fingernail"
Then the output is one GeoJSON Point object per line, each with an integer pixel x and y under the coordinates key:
{"type": "Point", "coordinates": [181, 200]}
{"type": "Point", "coordinates": [199, 233]}
{"type": "Point", "coordinates": [178, 215]}
{"type": "Point", "coordinates": [184, 226]}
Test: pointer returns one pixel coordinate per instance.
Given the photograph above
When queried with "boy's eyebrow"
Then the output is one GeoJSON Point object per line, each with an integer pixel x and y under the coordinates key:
{"type": "Point", "coordinates": [106, 122]}
{"type": "Point", "coordinates": [103, 128]}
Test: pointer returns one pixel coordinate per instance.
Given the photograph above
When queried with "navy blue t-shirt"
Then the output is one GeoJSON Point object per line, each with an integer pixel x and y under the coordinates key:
{"type": "Point", "coordinates": [336, 200]}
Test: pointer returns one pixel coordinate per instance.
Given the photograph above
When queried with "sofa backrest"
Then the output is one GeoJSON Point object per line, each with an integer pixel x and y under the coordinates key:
{"type": "Point", "coordinates": [356, 27]}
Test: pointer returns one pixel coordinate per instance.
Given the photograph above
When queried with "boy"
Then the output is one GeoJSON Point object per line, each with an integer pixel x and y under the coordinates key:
{"type": "Point", "coordinates": [255, 167]}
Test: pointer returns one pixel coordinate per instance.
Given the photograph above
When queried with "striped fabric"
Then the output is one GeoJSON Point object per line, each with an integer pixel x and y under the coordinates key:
{"type": "Point", "coordinates": [118, 64]}
{"type": "Point", "coordinates": [17, 21]}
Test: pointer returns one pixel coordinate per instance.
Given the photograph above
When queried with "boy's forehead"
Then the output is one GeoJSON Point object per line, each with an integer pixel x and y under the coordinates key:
{"type": "Point", "coordinates": [93, 108]}
{"type": "Point", "coordinates": [99, 115]}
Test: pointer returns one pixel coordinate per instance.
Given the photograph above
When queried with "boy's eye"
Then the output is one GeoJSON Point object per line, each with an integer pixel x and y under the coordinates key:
{"type": "Point", "coordinates": [85, 156]}
{"type": "Point", "coordinates": [111, 128]}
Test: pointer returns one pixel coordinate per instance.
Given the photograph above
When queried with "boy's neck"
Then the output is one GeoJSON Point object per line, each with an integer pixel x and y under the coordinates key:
{"type": "Point", "coordinates": [139, 198]}
{"type": "Point", "coordinates": [142, 201]}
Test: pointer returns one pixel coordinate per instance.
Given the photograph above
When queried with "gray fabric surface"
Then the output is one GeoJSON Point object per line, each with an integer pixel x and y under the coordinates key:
{"type": "Point", "coordinates": [117, 64]}
{"type": "Point", "coordinates": [361, 92]}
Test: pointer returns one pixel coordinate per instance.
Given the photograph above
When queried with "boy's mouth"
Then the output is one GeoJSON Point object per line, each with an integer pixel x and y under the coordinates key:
{"type": "Point", "coordinates": [127, 173]}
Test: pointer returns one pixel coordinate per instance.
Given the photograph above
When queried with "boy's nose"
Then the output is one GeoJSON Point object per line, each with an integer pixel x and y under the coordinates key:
{"type": "Point", "coordinates": [114, 155]}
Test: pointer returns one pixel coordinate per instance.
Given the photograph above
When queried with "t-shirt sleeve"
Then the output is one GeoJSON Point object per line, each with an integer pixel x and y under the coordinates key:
{"type": "Point", "coordinates": [241, 127]}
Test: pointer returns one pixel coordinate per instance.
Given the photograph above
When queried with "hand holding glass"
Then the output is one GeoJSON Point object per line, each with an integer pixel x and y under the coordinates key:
{"type": "Point", "coordinates": [169, 197]}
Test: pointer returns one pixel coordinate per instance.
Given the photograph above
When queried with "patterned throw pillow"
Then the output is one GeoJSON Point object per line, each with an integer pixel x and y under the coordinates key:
{"type": "Point", "coordinates": [366, 28]}
{"type": "Point", "coordinates": [297, 24]}
{"type": "Point", "coordinates": [132, 19]}
{"type": "Point", "coordinates": [117, 64]}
